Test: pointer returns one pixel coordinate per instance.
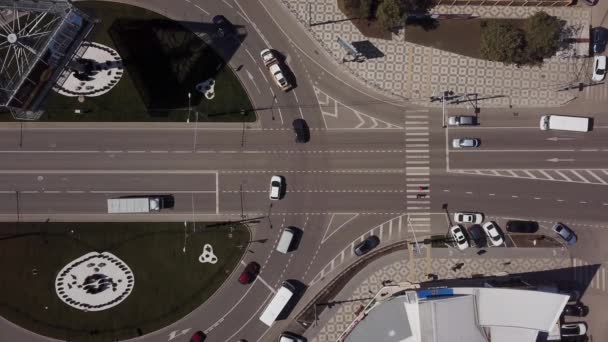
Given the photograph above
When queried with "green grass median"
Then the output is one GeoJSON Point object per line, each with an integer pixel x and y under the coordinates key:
{"type": "Point", "coordinates": [168, 282]}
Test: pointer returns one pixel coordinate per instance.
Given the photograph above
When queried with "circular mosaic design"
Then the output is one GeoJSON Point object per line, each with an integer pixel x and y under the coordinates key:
{"type": "Point", "coordinates": [94, 282]}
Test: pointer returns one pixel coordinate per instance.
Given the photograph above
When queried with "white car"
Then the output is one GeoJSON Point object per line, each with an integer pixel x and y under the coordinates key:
{"type": "Point", "coordinates": [457, 232]}
{"type": "Point", "coordinates": [475, 218]}
{"type": "Point", "coordinates": [573, 329]}
{"type": "Point", "coordinates": [599, 68]}
{"type": "Point", "coordinates": [465, 143]}
{"type": "Point", "coordinates": [493, 234]}
{"type": "Point", "coordinates": [276, 184]}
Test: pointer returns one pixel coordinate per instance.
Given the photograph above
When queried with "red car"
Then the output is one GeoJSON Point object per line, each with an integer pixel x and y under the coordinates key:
{"type": "Point", "coordinates": [251, 271]}
{"type": "Point", "coordinates": [198, 336]}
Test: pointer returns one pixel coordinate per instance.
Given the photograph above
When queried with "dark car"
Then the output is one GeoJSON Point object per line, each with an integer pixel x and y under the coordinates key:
{"type": "Point", "coordinates": [367, 245]}
{"type": "Point", "coordinates": [516, 226]}
{"type": "Point", "coordinates": [224, 26]}
{"type": "Point", "coordinates": [198, 336]}
{"type": "Point", "coordinates": [576, 309]}
{"type": "Point", "coordinates": [600, 38]}
{"type": "Point", "coordinates": [251, 271]}
{"type": "Point", "coordinates": [478, 236]}
{"type": "Point", "coordinates": [302, 131]}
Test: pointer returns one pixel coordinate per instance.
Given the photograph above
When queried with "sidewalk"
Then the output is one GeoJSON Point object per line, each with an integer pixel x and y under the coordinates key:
{"type": "Point", "coordinates": [333, 321]}
{"type": "Point", "coordinates": [416, 72]}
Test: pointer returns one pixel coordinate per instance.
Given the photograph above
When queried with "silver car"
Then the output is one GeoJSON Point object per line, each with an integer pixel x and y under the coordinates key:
{"type": "Point", "coordinates": [466, 143]}
{"type": "Point", "coordinates": [565, 233]}
{"type": "Point", "coordinates": [462, 120]}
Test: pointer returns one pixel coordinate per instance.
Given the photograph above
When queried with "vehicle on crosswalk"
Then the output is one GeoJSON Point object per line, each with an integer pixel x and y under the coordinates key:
{"type": "Point", "coordinates": [459, 238]}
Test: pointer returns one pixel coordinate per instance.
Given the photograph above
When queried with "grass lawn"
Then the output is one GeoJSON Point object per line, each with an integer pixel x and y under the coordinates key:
{"type": "Point", "coordinates": [168, 283]}
{"type": "Point", "coordinates": [459, 36]}
{"type": "Point", "coordinates": [163, 62]}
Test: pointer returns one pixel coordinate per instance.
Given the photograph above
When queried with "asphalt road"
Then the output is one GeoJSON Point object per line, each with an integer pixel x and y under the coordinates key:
{"type": "Point", "coordinates": [345, 182]}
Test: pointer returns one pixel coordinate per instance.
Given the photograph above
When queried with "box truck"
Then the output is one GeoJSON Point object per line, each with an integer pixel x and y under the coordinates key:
{"type": "Point", "coordinates": [134, 205]}
{"type": "Point", "coordinates": [565, 123]}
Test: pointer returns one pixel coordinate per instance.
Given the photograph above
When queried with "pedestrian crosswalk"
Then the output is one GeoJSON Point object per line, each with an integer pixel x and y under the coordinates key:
{"type": "Point", "coordinates": [589, 275]}
{"type": "Point", "coordinates": [583, 176]}
{"type": "Point", "coordinates": [417, 168]}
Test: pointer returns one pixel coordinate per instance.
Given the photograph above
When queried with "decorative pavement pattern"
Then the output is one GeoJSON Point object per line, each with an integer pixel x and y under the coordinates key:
{"type": "Point", "coordinates": [582, 176]}
{"type": "Point", "coordinates": [417, 72]}
{"type": "Point", "coordinates": [401, 271]}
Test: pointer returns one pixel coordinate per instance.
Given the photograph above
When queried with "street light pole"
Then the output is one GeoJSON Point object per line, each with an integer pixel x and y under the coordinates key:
{"type": "Point", "coordinates": [189, 107]}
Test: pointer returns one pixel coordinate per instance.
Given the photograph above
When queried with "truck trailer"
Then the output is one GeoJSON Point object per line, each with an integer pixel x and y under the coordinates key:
{"type": "Point", "coordinates": [134, 205]}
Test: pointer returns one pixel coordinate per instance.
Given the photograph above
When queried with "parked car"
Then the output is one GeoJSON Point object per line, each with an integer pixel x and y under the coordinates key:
{"type": "Point", "coordinates": [302, 131]}
{"type": "Point", "coordinates": [462, 120]}
{"type": "Point", "coordinates": [466, 143]}
{"type": "Point", "coordinates": [224, 26]}
{"type": "Point", "coordinates": [466, 217]}
{"type": "Point", "coordinates": [599, 68]}
{"type": "Point", "coordinates": [477, 235]}
{"type": "Point", "coordinates": [287, 336]}
{"type": "Point", "coordinates": [276, 185]}
{"type": "Point", "coordinates": [573, 329]}
{"type": "Point", "coordinates": [565, 233]}
{"type": "Point", "coordinates": [493, 234]}
{"type": "Point", "coordinates": [516, 226]}
{"type": "Point", "coordinates": [460, 239]}
{"type": "Point", "coordinates": [198, 336]}
{"type": "Point", "coordinates": [367, 245]}
{"type": "Point", "coordinates": [600, 38]}
{"type": "Point", "coordinates": [577, 309]}
{"type": "Point", "coordinates": [249, 273]}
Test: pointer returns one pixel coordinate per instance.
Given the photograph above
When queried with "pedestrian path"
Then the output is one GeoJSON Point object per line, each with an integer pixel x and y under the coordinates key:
{"type": "Point", "coordinates": [583, 176]}
{"type": "Point", "coordinates": [588, 276]}
{"type": "Point", "coordinates": [396, 229]}
{"type": "Point", "coordinates": [336, 320]}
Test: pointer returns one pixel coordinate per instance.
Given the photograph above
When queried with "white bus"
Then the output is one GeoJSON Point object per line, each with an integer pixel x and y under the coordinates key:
{"type": "Point", "coordinates": [278, 303]}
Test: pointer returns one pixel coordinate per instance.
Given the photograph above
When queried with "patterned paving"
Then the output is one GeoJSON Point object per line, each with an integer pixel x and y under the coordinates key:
{"type": "Point", "coordinates": [417, 72]}
{"type": "Point", "coordinates": [583, 176]}
{"type": "Point", "coordinates": [401, 271]}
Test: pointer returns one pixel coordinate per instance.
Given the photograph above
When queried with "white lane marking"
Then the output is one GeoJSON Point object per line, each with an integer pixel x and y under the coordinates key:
{"type": "Point", "coordinates": [201, 9]}
{"type": "Point", "coordinates": [505, 151]}
{"type": "Point", "coordinates": [595, 176]}
{"type": "Point", "coordinates": [250, 76]}
{"type": "Point", "coordinates": [217, 193]}
{"type": "Point", "coordinates": [546, 174]}
{"type": "Point", "coordinates": [563, 176]}
{"type": "Point", "coordinates": [295, 95]}
{"type": "Point", "coordinates": [109, 172]}
{"type": "Point", "coordinates": [579, 176]}
{"type": "Point", "coordinates": [301, 114]}
{"type": "Point", "coordinates": [250, 55]}
{"type": "Point", "coordinates": [281, 115]}
{"type": "Point", "coordinates": [255, 27]}
{"type": "Point", "coordinates": [226, 2]}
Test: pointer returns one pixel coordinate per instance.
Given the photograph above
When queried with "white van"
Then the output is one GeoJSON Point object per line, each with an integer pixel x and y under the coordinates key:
{"type": "Point", "coordinates": [278, 303]}
{"type": "Point", "coordinates": [286, 240]}
{"type": "Point", "coordinates": [565, 123]}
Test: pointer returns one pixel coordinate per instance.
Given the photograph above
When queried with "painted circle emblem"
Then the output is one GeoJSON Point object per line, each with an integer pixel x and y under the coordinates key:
{"type": "Point", "coordinates": [94, 282]}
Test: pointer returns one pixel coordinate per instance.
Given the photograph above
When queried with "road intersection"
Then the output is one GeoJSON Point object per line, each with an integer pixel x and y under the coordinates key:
{"type": "Point", "coordinates": [375, 165]}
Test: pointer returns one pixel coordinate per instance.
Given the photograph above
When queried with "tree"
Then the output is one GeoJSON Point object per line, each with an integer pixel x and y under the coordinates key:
{"type": "Point", "coordinates": [542, 36]}
{"type": "Point", "coordinates": [502, 42]}
{"type": "Point", "coordinates": [389, 13]}
{"type": "Point", "coordinates": [365, 9]}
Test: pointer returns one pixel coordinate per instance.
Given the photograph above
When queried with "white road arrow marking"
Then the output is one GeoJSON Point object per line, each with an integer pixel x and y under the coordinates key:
{"type": "Point", "coordinates": [555, 160]}
{"type": "Point", "coordinates": [557, 139]}
{"type": "Point", "coordinates": [176, 333]}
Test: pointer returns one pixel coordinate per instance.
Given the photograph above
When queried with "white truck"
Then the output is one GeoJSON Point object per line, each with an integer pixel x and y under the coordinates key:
{"type": "Point", "coordinates": [565, 123]}
{"type": "Point", "coordinates": [134, 205]}
{"type": "Point", "coordinates": [273, 65]}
